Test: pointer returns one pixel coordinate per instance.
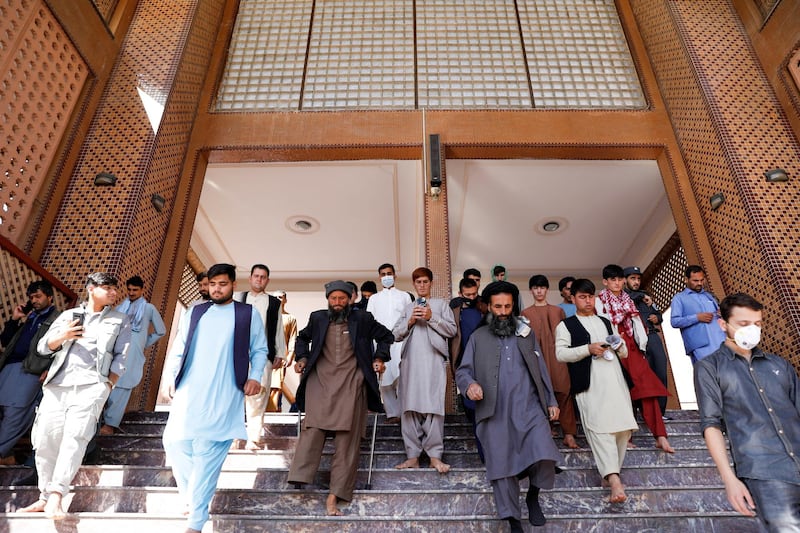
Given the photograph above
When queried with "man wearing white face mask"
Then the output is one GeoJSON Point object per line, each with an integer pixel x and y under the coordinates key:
{"type": "Point", "coordinates": [387, 307]}
{"type": "Point", "coordinates": [754, 397]}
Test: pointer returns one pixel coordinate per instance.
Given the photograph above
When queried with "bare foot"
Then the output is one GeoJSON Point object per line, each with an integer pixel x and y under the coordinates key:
{"type": "Point", "coordinates": [393, 420]}
{"type": "Point", "coordinates": [631, 445]}
{"type": "Point", "coordinates": [440, 467]}
{"type": "Point", "coordinates": [410, 463]}
{"type": "Point", "coordinates": [569, 441]}
{"type": "Point", "coordinates": [35, 507]}
{"type": "Point", "coordinates": [617, 489]}
{"type": "Point", "coordinates": [190, 530]}
{"type": "Point", "coordinates": [53, 507]}
{"type": "Point", "coordinates": [106, 431]}
{"type": "Point", "coordinates": [253, 446]}
{"type": "Point", "coordinates": [663, 443]}
{"type": "Point", "coordinates": [330, 505]}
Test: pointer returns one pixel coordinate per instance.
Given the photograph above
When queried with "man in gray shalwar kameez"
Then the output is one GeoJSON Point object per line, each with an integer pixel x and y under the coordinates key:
{"type": "Point", "coordinates": [504, 372]}
{"type": "Point", "coordinates": [425, 326]}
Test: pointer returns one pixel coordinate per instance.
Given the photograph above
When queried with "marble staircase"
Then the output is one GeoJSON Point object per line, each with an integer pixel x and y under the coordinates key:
{"type": "Point", "coordinates": [130, 489]}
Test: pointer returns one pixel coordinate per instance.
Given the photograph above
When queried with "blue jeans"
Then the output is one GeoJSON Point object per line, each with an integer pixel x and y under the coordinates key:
{"type": "Point", "coordinates": [777, 504]}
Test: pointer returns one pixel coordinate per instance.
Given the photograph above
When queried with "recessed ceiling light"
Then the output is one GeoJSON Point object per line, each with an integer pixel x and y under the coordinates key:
{"type": "Point", "coordinates": [302, 224]}
{"type": "Point", "coordinates": [551, 225]}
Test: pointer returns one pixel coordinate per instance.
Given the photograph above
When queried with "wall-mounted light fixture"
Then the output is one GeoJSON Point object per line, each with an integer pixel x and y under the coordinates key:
{"type": "Point", "coordinates": [716, 200]}
{"type": "Point", "coordinates": [159, 202]}
{"type": "Point", "coordinates": [776, 175]}
{"type": "Point", "coordinates": [436, 166]}
{"type": "Point", "coordinates": [105, 179]}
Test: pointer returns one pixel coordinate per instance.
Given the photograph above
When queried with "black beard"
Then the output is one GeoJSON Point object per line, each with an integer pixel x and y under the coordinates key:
{"type": "Point", "coordinates": [224, 300]}
{"type": "Point", "coordinates": [338, 316]}
{"type": "Point", "coordinates": [501, 328]}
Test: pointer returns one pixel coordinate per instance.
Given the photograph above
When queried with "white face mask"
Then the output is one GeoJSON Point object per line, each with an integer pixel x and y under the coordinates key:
{"type": "Point", "coordinates": [747, 337]}
{"type": "Point", "coordinates": [387, 281]}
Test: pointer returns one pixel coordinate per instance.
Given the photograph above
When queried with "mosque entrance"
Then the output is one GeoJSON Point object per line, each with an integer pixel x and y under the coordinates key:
{"type": "Point", "coordinates": [311, 222]}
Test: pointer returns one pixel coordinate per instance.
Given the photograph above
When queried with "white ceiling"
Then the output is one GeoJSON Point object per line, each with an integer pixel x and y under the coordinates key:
{"type": "Point", "coordinates": [370, 212]}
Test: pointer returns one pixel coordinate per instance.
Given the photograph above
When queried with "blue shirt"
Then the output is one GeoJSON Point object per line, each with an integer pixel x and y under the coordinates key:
{"type": "Point", "coordinates": [757, 404]}
{"type": "Point", "coordinates": [470, 318]}
{"type": "Point", "coordinates": [700, 339]}
{"type": "Point", "coordinates": [569, 309]}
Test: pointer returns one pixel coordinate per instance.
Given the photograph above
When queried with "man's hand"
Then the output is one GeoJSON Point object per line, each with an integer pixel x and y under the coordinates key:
{"type": "Point", "coordinates": [597, 349]}
{"type": "Point", "coordinates": [739, 497]}
{"type": "Point", "coordinates": [278, 363]}
{"type": "Point", "coordinates": [300, 366]}
{"type": "Point", "coordinates": [553, 411]}
{"type": "Point", "coordinates": [474, 392]}
{"type": "Point", "coordinates": [652, 319]}
{"type": "Point", "coordinates": [378, 366]}
{"type": "Point", "coordinates": [251, 387]}
{"type": "Point", "coordinates": [17, 313]}
{"type": "Point", "coordinates": [705, 317]}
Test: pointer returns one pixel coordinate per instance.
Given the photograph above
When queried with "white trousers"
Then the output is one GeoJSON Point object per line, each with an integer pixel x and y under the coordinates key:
{"type": "Point", "coordinates": [256, 405]}
{"type": "Point", "coordinates": [65, 423]}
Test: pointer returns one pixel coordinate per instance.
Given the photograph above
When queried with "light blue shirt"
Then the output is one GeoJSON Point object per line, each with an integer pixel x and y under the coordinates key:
{"type": "Point", "coordinates": [700, 339]}
{"type": "Point", "coordinates": [207, 403]}
{"type": "Point", "coordinates": [569, 309]}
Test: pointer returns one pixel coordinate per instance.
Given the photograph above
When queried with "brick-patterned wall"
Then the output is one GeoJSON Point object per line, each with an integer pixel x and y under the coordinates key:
{"type": "Point", "coordinates": [42, 78]}
{"type": "Point", "coordinates": [165, 56]}
{"type": "Point", "coordinates": [731, 129]}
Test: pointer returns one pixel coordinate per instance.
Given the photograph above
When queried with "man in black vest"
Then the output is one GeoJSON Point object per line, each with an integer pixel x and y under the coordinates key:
{"type": "Point", "coordinates": [504, 373]}
{"type": "Point", "coordinates": [591, 347]}
{"type": "Point", "coordinates": [21, 367]}
{"type": "Point", "coordinates": [269, 308]}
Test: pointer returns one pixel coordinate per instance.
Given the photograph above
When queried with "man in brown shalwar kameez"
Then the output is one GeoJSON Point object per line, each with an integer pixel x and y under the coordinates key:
{"type": "Point", "coordinates": [339, 384]}
{"type": "Point", "coordinates": [544, 318]}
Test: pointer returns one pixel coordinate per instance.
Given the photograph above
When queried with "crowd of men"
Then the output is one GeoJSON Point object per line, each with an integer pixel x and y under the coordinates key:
{"type": "Point", "coordinates": [525, 377]}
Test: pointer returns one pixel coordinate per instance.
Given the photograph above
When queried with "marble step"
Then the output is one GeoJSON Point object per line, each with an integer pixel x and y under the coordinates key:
{"type": "Point", "coordinates": [223, 523]}
{"type": "Point", "coordinates": [136, 428]}
{"type": "Point", "coordinates": [240, 459]}
{"type": "Point", "coordinates": [456, 479]}
{"type": "Point", "coordinates": [387, 503]}
{"type": "Point", "coordinates": [384, 444]}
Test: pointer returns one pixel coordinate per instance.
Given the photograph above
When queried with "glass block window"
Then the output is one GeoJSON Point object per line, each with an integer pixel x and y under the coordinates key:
{"type": "Point", "coordinates": [470, 55]}
{"type": "Point", "coordinates": [445, 54]}
{"type": "Point", "coordinates": [577, 55]}
{"type": "Point", "coordinates": [361, 55]}
{"type": "Point", "coordinates": [266, 56]}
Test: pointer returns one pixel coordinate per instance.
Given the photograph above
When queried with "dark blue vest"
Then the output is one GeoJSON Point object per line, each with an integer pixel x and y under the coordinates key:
{"type": "Point", "coordinates": [241, 340]}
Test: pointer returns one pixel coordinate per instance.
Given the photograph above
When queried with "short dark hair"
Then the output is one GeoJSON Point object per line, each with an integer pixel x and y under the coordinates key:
{"type": "Point", "coordinates": [101, 278]}
{"type": "Point", "coordinates": [353, 286]}
{"type": "Point", "coordinates": [223, 269]}
{"type": "Point", "coordinates": [386, 265]}
{"type": "Point", "coordinates": [692, 269]}
{"type": "Point", "coordinates": [613, 271]}
{"type": "Point", "coordinates": [582, 285]}
{"type": "Point", "coordinates": [467, 283]}
{"type": "Point", "coordinates": [260, 267]}
{"type": "Point", "coordinates": [538, 281]}
{"type": "Point", "coordinates": [472, 272]}
{"type": "Point", "coordinates": [562, 283]}
{"type": "Point", "coordinates": [201, 276]}
{"type": "Point", "coordinates": [420, 272]}
{"type": "Point", "coordinates": [42, 285]}
{"type": "Point", "coordinates": [739, 299]}
{"type": "Point", "coordinates": [497, 270]}
{"type": "Point", "coordinates": [369, 286]}
{"type": "Point", "coordinates": [136, 281]}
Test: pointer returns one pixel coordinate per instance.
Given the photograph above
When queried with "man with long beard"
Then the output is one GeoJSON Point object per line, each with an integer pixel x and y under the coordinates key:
{"type": "Point", "coordinates": [504, 372]}
{"type": "Point", "coordinates": [335, 355]}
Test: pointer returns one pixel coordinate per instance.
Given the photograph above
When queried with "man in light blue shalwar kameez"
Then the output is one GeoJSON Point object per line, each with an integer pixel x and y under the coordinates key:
{"type": "Point", "coordinates": [215, 361]}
